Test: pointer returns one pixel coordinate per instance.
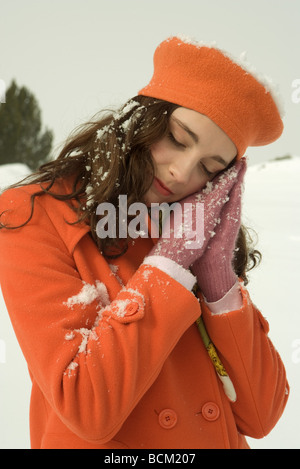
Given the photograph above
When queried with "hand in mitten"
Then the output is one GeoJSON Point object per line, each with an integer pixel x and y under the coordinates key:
{"type": "Point", "coordinates": [214, 270]}
{"type": "Point", "coordinates": [201, 209]}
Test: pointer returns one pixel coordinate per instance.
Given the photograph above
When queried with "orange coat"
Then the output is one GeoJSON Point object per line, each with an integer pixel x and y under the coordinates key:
{"type": "Point", "coordinates": [113, 351]}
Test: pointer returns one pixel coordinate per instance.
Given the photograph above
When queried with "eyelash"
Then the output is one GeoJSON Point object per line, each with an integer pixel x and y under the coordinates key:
{"type": "Point", "coordinates": [174, 141]}
{"type": "Point", "coordinates": [208, 173]}
{"type": "Point", "coordinates": [181, 145]}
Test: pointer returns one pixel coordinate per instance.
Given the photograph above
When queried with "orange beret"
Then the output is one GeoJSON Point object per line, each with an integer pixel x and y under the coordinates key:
{"type": "Point", "coordinates": [208, 80]}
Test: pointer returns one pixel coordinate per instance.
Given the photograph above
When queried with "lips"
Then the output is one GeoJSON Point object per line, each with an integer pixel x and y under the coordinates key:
{"type": "Point", "coordinates": [161, 188]}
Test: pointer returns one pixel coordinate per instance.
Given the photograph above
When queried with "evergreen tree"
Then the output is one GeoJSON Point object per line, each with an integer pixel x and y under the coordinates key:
{"type": "Point", "coordinates": [21, 136]}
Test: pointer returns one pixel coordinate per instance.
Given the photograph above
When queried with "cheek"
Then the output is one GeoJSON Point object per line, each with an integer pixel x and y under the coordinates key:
{"type": "Point", "coordinates": [159, 152]}
{"type": "Point", "coordinates": [199, 179]}
{"type": "Point", "coordinates": [196, 185]}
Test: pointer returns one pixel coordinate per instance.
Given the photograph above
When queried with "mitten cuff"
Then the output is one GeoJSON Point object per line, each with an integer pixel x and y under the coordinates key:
{"type": "Point", "coordinates": [170, 267]}
{"type": "Point", "coordinates": [215, 280]}
{"type": "Point", "coordinates": [232, 301]}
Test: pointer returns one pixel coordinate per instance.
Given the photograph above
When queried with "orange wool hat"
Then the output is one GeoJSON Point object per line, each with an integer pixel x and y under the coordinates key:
{"type": "Point", "coordinates": [228, 91]}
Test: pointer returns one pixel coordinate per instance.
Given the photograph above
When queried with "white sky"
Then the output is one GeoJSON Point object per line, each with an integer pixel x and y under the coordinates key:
{"type": "Point", "coordinates": [79, 56]}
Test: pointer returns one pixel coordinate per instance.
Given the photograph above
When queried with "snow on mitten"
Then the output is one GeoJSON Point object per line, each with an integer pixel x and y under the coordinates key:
{"type": "Point", "coordinates": [186, 236]}
{"type": "Point", "coordinates": [214, 270]}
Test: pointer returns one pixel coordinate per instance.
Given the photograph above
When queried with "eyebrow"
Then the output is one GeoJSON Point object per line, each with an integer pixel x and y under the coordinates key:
{"type": "Point", "coordinates": [185, 127]}
{"type": "Point", "coordinates": [195, 137]}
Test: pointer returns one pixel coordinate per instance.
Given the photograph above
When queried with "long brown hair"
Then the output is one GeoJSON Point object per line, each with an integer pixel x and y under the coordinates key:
{"type": "Point", "coordinates": [111, 156]}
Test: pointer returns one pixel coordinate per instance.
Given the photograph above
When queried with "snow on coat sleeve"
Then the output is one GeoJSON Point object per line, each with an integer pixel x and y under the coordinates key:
{"type": "Point", "coordinates": [93, 362]}
{"type": "Point", "coordinates": [252, 362]}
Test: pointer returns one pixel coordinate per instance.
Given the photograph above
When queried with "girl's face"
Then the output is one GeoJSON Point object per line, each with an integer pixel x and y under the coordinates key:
{"type": "Point", "coordinates": [193, 152]}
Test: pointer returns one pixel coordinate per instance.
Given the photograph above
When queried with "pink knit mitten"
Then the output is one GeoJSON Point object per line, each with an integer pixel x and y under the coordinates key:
{"type": "Point", "coordinates": [214, 270]}
{"type": "Point", "coordinates": [181, 243]}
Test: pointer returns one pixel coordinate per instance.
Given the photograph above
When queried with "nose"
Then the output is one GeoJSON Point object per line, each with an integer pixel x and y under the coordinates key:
{"type": "Point", "coordinates": [182, 170]}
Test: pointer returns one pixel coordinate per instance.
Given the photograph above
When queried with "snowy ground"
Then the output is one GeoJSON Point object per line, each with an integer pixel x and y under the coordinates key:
{"type": "Point", "coordinates": [272, 208]}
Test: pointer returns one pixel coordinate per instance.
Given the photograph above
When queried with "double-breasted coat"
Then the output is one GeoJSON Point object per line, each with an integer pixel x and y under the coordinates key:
{"type": "Point", "coordinates": [112, 346]}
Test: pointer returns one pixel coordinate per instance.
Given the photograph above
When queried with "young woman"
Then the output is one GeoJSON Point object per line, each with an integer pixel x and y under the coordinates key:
{"type": "Point", "coordinates": [123, 350]}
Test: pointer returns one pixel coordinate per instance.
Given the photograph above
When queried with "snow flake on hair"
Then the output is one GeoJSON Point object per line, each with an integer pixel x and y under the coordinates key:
{"type": "Point", "coordinates": [128, 107]}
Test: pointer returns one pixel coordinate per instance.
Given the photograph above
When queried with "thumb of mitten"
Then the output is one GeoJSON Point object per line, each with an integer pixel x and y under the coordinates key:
{"type": "Point", "coordinates": [214, 270]}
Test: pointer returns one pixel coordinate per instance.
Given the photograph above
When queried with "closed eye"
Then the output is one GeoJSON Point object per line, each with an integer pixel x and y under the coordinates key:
{"type": "Point", "coordinates": [174, 141]}
{"type": "Point", "coordinates": [182, 146]}
{"type": "Point", "coordinates": [207, 172]}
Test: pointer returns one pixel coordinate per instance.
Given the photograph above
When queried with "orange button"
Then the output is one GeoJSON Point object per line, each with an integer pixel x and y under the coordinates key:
{"type": "Point", "coordinates": [131, 309]}
{"type": "Point", "coordinates": [210, 411]}
{"type": "Point", "coordinates": [167, 418]}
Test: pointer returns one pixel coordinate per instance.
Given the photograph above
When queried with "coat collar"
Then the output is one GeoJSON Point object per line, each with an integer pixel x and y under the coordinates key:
{"type": "Point", "coordinates": [64, 218]}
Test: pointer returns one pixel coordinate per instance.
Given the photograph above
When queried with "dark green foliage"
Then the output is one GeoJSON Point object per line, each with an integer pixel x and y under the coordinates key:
{"type": "Point", "coordinates": [21, 137]}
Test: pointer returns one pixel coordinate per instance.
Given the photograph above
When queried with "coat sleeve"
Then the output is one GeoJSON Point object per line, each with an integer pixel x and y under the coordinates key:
{"type": "Point", "coordinates": [92, 361]}
{"type": "Point", "coordinates": [253, 364]}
